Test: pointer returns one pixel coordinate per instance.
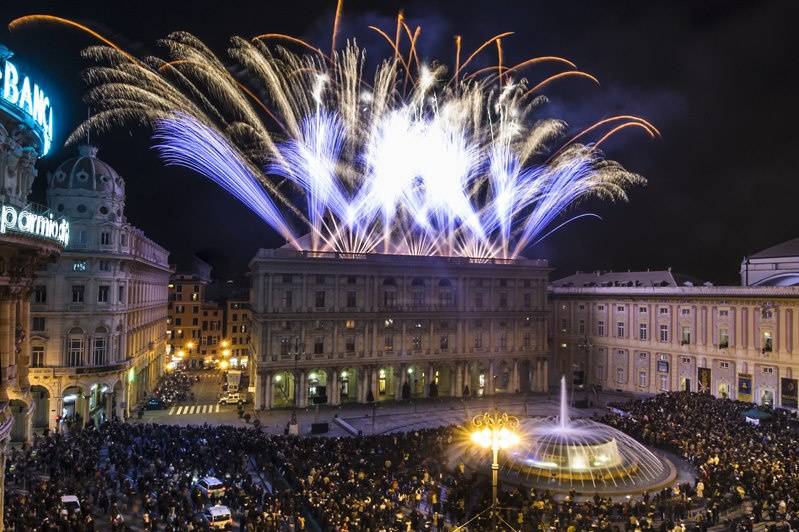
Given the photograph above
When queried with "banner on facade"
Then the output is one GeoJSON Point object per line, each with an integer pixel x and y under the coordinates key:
{"type": "Point", "coordinates": [704, 380]}
{"type": "Point", "coordinates": [788, 393]}
{"type": "Point", "coordinates": [663, 366]}
{"type": "Point", "coordinates": [745, 387]}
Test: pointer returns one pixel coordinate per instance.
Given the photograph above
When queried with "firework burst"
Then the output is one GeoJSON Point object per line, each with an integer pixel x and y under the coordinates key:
{"type": "Point", "coordinates": [413, 159]}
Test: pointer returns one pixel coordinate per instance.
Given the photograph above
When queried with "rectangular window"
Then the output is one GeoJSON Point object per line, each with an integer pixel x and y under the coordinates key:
{"type": "Point", "coordinates": [288, 299]}
{"type": "Point", "coordinates": [40, 294]}
{"type": "Point", "coordinates": [416, 342]}
{"type": "Point", "coordinates": [77, 293]}
{"type": "Point", "coordinates": [351, 279]}
{"type": "Point", "coordinates": [121, 294]}
{"type": "Point", "coordinates": [503, 341]}
{"type": "Point", "coordinates": [123, 239]}
{"type": "Point", "coordinates": [664, 333]}
{"type": "Point", "coordinates": [642, 310]}
{"type": "Point", "coordinates": [351, 299]}
{"type": "Point", "coordinates": [620, 377]}
{"type": "Point", "coordinates": [686, 336]}
{"type": "Point", "coordinates": [642, 332]}
{"type": "Point", "coordinates": [418, 298]}
{"type": "Point", "coordinates": [320, 279]}
{"type": "Point", "coordinates": [478, 340]}
{"type": "Point", "coordinates": [724, 313]}
{"type": "Point", "coordinates": [619, 308]}
{"type": "Point", "coordinates": [349, 344]}
{"type": "Point", "coordinates": [724, 338]}
{"type": "Point", "coordinates": [178, 321]}
{"type": "Point", "coordinates": [563, 325]}
{"type": "Point", "coordinates": [74, 351]}
{"type": "Point", "coordinates": [37, 357]}
{"type": "Point", "coordinates": [620, 329]}
{"type": "Point", "coordinates": [99, 352]}
{"type": "Point", "coordinates": [503, 300]}
{"type": "Point", "coordinates": [600, 307]}
{"type": "Point", "coordinates": [663, 310]}
{"type": "Point", "coordinates": [643, 379]}
{"type": "Point", "coordinates": [528, 300]}
{"type": "Point", "coordinates": [105, 238]}
{"type": "Point", "coordinates": [102, 293]}
{"type": "Point", "coordinates": [286, 279]}
{"type": "Point", "coordinates": [724, 365]}
{"type": "Point", "coordinates": [284, 346]}
{"type": "Point", "coordinates": [105, 265]}
{"type": "Point", "coordinates": [526, 340]}
{"type": "Point", "coordinates": [319, 299]}
{"type": "Point", "coordinates": [685, 311]}
{"type": "Point", "coordinates": [478, 300]}
{"type": "Point", "coordinates": [768, 371]}
{"type": "Point", "coordinates": [388, 342]}
{"type": "Point", "coordinates": [664, 383]}
{"type": "Point", "coordinates": [581, 327]}
{"type": "Point", "coordinates": [319, 345]}
{"type": "Point", "coordinates": [768, 342]}
{"type": "Point", "coordinates": [349, 324]}
{"type": "Point", "coordinates": [37, 324]}
{"type": "Point", "coordinates": [600, 328]}
{"type": "Point", "coordinates": [444, 342]}
{"type": "Point", "coordinates": [686, 360]}
{"type": "Point", "coordinates": [445, 299]}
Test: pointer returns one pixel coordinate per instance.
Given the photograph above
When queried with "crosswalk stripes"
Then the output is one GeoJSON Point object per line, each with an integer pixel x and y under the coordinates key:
{"type": "Point", "coordinates": [183, 410]}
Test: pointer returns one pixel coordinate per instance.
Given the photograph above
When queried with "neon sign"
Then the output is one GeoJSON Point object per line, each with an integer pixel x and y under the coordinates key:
{"type": "Point", "coordinates": [25, 100]}
{"type": "Point", "coordinates": [34, 224]}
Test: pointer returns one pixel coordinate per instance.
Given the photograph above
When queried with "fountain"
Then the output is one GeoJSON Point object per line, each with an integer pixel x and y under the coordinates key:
{"type": "Point", "coordinates": [562, 454]}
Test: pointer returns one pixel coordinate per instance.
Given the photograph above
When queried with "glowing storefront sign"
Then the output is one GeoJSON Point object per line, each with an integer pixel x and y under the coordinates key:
{"type": "Point", "coordinates": [33, 224]}
{"type": "Point", "coordinates": [25, 100]}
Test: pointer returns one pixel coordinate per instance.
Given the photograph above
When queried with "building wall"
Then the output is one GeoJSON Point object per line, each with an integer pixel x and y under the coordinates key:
{"type": "Point", "coordinates": [186, 297]}
{"type": "Point", "coordinates": [237, 331]}
{"type": "Point", "coordinates": [657, 339]}
{"type": "Point", "coordinates": [107, 347]}
{"type": "Point", "coordinates": [356, 324]}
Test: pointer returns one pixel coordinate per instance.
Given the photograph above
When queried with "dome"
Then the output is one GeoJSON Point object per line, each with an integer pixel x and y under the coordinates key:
{"type": "Point", "coordinates": [86, 187]}
{"type": "Point", "coordinates": [87, 172]}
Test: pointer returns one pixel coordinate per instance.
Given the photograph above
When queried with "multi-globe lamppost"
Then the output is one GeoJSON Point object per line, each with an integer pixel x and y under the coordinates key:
{"type": "Point", "coordinates": [495, 431]}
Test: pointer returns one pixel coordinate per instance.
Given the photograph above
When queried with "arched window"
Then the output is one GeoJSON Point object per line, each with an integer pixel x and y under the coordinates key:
{"type": "Point", "coordinates": [75, 346]}
{"type": "Point", "coordinates": [418, 281]}
{"type": "Point", "coordinates": [445, 283]}
{"type": "Point", "coordinates": [100, 349]}
{"type": "Point", "coordinates": [389, 281]}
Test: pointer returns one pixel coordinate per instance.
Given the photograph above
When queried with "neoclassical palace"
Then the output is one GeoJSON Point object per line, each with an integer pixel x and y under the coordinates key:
{"type": "Point", "coordinates": [653, 331]}
{"type": "Point", "coordinates": [99, 314]}
{"type": "Point", "coordinates": [336, 327]}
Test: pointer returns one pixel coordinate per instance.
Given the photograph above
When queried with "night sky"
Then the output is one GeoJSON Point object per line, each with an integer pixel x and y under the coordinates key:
{"type": "Point", "coordinates": [719, 79]}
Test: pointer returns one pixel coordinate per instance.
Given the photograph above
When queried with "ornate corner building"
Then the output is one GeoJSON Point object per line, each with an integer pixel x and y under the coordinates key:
{"type": "Point", "coordinates": [336, 327]}
{"type": "Point", "coordinates": [99, 314]}
{"type": "Point", "coordinates": [31, 236]}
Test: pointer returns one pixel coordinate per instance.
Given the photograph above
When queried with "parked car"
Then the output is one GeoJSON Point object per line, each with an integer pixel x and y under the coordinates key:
{"type": "Point", "coordinates": [70, 503]}
{"type": "Point", "coordinates": [218, 516]}
{"type": "Point", "coordinates": [232, 399]}
{"type": "Point", "coordinates": [155, 403]}
{"type": "Point", "coordinates": [210, 487]}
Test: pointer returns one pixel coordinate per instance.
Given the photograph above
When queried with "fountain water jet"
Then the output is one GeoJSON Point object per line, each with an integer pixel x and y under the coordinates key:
{"type": "Point", "coordinates": [564, 454]}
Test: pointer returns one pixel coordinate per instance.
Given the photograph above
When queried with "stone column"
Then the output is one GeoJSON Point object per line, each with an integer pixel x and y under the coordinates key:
{"type": "Point", "coordinates": [458, 391]}
{"type": "Point", "coordinates": [109, 400]}
{"type": "Point", "coordinates": [373, 382]}
{"type": "Point", "coordinates": [3, 451]}
{"type": "Point", "coordinates": [514, 379]}
{"type": "Point", "coordinates": [399, 373]}
{"type": "Point", "coordinates": [546, 374]}
{"type": "Point", "coordinates": [490, 384]}
{"type": "Point", "coordinates": [429, 377]}
{"type": "Point", "coordinates": [333, 388]}
{"type": "Point", "coordinates": [266, 402]}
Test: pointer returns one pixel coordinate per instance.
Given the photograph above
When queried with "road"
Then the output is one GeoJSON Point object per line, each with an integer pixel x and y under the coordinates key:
{"type": "Point", "coordinates": [205, 407]}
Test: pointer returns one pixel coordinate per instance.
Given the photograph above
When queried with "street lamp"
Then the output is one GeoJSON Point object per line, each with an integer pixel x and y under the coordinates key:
{"type": "Point", "coordinates": [495, 431]}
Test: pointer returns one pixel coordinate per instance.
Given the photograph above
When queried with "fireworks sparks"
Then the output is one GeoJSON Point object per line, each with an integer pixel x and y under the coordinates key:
{"type": "Point", "coordinates": [416, 159]}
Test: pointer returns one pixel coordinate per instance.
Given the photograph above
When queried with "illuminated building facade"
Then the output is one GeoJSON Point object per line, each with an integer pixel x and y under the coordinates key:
{"type": "Point", "coordinates": [237, 332]}
{"type": "Point", "coordinates": [651, 332]}
{"type": "Point", "coordinates": [338, 328]}
{"type": "Point", "coordinates": [98, 334]}
{"type": "Point", "coordinates": [30, 237]}
{"type": "Point", "coordinates": [187, 293]}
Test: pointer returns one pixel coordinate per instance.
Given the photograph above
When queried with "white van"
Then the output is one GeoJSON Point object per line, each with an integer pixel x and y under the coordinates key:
{"type": "Point", "coordinates": [218, 516]}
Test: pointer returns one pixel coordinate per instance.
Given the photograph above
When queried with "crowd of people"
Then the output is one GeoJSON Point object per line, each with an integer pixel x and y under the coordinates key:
{"type": "Point", "coordinates": [143, 475]}
{"type": "Point", "coordinates": [174, 387]}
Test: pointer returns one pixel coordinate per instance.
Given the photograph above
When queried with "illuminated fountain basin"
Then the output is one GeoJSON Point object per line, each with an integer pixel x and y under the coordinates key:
{"type": "Point", "coordinates": [561, 454]}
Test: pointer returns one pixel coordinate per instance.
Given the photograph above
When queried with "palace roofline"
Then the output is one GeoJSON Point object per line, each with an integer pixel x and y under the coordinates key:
{"type": "Point", "coordinates": [684, 291]}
